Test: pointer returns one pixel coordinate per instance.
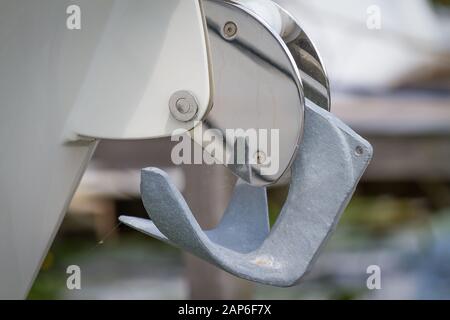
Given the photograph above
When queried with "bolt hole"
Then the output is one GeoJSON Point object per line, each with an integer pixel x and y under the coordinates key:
{"type": "Point", "coordinates": [359, 151]}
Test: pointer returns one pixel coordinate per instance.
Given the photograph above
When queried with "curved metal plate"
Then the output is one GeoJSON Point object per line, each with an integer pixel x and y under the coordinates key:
{"type": "Point", "coordinates": [314, 77]}
{"type": "Point", "coordinates": [257, 90]}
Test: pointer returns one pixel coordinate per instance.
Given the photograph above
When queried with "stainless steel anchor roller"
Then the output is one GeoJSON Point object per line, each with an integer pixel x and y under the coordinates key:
{"type": "Point", "coordinates": [267, 75]}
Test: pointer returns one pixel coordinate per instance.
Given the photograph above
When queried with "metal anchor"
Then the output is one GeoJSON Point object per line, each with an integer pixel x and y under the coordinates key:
{"type": "Point", "coordinates": [325, 158]}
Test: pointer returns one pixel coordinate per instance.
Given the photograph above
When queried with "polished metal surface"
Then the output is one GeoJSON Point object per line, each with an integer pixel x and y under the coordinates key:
{"type": "Point", "coordinates": [257, 88]}
{"type": "Point", "coordinates": [314, 78]}
{"type": "Point", "coordinates": [264, 68]}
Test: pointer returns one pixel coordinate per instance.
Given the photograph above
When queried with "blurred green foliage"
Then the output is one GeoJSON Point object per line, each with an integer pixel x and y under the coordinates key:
{"type": "Point", "coordinates": [445, 3]}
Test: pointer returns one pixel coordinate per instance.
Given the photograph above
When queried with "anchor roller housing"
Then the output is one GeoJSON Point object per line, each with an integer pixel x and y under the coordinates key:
{"type": "Point", "coordinates": [267, 75]}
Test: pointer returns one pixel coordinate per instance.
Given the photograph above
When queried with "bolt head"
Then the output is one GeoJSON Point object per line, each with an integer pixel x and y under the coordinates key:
{"type": "Point", "coordinates": [183, 106]}
{"type": "Point", "coordinates": [230, 30]}
{"type": "Point", "coordinates": [260, 158]}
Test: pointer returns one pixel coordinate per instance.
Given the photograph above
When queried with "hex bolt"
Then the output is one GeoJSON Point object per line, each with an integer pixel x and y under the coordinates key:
{"type": "Point", "coordinates": [183, 106]}
{"type": "Point", "coordinates": [230, 30]}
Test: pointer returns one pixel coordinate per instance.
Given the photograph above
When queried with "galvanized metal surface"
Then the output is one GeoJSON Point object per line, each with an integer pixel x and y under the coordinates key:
{"type": "Point", "coordinates": [328, 166]}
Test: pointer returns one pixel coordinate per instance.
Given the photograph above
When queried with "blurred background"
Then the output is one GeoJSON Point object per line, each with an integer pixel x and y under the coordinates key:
{"type": "Point", "coordinates": [389, 65]}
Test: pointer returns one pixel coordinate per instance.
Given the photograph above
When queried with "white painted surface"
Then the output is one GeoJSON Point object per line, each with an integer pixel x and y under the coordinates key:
{"type": "Point", "coordinates": [147, 51]}
{"type": "Point", "coordinates": [47, 72]}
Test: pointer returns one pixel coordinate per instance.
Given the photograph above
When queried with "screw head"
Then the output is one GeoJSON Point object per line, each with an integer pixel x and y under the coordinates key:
{"type": "Point", "coordinates": [260, 157]}
{"type": "Point", "coordinates": [183, 106]}
{"type": "Point", "coordinates": [230, 30]}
